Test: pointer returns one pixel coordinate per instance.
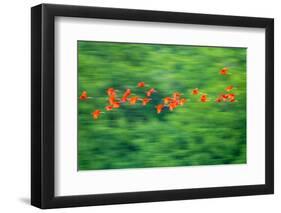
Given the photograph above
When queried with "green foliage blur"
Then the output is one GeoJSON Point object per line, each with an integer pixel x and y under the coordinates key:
{"type": "Point", "coordinates": [136, 136]}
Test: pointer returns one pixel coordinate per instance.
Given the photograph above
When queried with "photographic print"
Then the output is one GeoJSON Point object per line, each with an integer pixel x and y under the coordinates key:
{"type": "Point", "coordinates": [158, 105]}
{"type": "Point", "coordinates": [121, 97]}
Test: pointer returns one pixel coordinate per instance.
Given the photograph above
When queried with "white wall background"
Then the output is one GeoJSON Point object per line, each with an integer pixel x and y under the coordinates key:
{"type": "Point", "coordinates": [15, 106]}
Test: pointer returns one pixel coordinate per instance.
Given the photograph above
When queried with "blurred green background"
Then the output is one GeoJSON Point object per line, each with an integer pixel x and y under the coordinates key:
{"type": "Point", "coordinates": [136, 136]}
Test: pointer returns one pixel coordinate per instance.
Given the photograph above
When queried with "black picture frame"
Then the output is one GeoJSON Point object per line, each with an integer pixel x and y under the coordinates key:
{"type": "Point", "coordinates": [43, 102]}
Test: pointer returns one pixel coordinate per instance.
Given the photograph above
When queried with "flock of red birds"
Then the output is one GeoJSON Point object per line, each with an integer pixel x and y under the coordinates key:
{"type": "Point", "coordinates": [170, 102]}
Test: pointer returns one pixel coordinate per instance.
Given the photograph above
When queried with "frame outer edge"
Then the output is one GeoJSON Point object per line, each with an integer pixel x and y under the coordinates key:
{"type": "Point", "coordinates": [269, 82]}
{"type": "Point", "coordinates": [36, 85]}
